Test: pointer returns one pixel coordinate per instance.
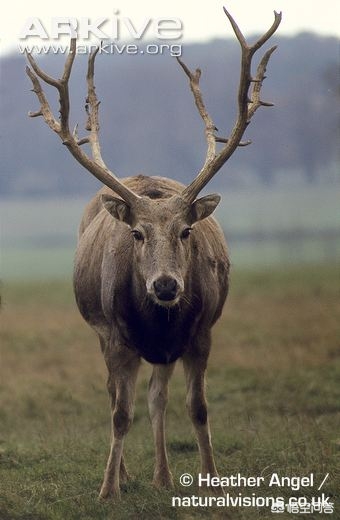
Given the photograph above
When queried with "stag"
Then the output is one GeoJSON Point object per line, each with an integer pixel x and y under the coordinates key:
{"type": "Point", "coordinates": [151, 267]}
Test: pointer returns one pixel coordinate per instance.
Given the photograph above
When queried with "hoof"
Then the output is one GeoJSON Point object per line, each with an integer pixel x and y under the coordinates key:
{"type": "Point", "coordinates": [109, 492]}
{"type": "Point", "coordinates": [163, 481]}
{"type": "Point", "coordinates": [215, 490]}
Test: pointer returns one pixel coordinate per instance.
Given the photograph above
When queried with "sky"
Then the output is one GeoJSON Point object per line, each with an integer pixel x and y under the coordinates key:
{"type": "Point", "coordinates": [201, 21]}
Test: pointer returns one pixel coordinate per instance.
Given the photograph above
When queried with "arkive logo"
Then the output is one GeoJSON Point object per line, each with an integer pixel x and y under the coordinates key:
{"type": "Point", "coordinates": [103, 28]}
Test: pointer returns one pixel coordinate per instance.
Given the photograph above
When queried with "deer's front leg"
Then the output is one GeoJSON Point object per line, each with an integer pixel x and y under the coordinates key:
{"type": "Point", "coordinates": [157, 401]}
{"type": "Point", "coordinates": [123, 369]}
{"type": "Point", "coordinates": [194, 368]}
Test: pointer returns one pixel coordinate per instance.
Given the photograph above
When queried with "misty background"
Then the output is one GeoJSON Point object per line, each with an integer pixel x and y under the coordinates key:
{"type": "Point", "coordinates": [280, 200]}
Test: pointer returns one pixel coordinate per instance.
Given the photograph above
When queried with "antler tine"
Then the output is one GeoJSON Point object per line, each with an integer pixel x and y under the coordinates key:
{"type": "Point", "coordinates": [61, 85]}
{"type": "Point", "coordinates": [92, 110]}
{"type": "Point", "coordinates": [258, 80]}
{"type": "Point", "coordinates": [45, 109]}
{"type": "Point", "coordinates": [96, 166]}
{"type": "Point", "coordinates": [247, 106]}
{"type": "Point", "coordinates": [210, 128]}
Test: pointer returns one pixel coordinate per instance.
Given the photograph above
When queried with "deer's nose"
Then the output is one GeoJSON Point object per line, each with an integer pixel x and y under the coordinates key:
{"type": "Point", "coordinates": [165, 288]}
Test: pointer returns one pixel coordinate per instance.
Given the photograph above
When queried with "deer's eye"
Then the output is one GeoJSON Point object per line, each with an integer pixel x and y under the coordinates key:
{"type": "Point", "coordinates": [185, 233]}
{"type": "Point", "coordinates": [137, 235]}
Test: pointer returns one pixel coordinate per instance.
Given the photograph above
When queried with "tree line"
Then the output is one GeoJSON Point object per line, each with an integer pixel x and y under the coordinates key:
{"type": "Point", "coordinates": [149, 124]}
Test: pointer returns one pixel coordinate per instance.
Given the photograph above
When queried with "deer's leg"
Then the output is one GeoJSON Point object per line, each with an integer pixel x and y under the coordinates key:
{"type": "Point", "coordinates": [157, 401]}
{"type": "Point", "coordinates": [123, 369]}
{"type": "Point", "coordinates": [194, 368]}
{"type": "Point", "coordinates": [123, 473]}
{"type": "Point", "coordinates": [104, 338]}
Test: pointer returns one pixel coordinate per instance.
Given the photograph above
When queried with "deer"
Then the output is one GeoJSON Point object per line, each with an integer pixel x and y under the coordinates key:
{"type": "Point", "coordinates": [151, 271]}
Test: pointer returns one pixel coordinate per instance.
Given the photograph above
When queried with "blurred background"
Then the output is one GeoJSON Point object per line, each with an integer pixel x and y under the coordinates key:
{"type": "Point", "coordinates": [280, 196]}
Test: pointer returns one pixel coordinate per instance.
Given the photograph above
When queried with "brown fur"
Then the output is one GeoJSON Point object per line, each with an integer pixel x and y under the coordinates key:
{"type": "Point", "coordinates": [117, 280]}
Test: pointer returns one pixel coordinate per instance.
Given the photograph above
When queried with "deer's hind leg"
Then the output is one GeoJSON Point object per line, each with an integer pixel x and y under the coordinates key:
{"type": "Point", "coordinates": [157, 401]}
{"type": "Point", "coordinates": [195, 364]}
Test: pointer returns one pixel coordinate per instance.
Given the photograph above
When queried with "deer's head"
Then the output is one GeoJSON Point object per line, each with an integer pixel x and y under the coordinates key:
{"type": "Point", "coordinates": [160, 228]}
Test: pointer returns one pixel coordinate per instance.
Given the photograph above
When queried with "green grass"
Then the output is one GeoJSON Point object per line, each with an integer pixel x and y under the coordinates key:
{"type": "Point", "coordinates": [46, 262]}
{"type": "Point", "coordinates": [264, 225]}
{"type": "Point", "coordinates": [273, 389]}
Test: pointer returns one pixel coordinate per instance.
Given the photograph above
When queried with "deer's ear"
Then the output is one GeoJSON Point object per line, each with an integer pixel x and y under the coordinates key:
{"type": "Point", "coordinates": [118, 208]}
{"type": "Point", "coordinates": [204, 207]}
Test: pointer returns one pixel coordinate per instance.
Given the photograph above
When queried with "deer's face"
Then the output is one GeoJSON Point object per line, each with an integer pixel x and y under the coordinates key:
{"type": "Point", "coordinates": [160, 230]}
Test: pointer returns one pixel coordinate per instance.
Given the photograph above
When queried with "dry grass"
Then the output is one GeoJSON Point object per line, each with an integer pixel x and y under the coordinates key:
{"type": "Point", "coordinates": [273, 386]}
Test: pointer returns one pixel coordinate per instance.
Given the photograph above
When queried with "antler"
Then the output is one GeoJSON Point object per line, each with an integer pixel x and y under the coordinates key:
{"type": "Point", "coordinates": [247, 106]}
{"type": "Point", "coordinates": [96, 165]}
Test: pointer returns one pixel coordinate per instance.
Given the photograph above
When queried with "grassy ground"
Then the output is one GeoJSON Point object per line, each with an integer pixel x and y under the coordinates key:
{"type": "Point", "coordinates": [273, 387]}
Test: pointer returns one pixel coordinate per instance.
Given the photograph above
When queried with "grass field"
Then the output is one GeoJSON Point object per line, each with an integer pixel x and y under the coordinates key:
{"type": "Point", "coordinates": [273, 388]}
